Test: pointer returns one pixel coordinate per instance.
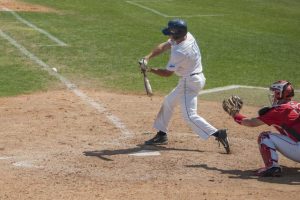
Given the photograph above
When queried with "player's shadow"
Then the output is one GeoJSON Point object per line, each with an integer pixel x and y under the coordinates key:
{"type": "Point", "coordinates": [290, 176]}
{"type": "Point", "coordinates": [104, 154]}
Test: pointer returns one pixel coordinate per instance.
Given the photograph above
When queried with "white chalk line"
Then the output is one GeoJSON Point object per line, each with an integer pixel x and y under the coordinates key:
{"type": "Point", "coordinates": [146, 8]}
{"type": "Point", "coordinates": [231, 87]}
{"type": "Point", "coordinates": [169, 16]}
{"type": "Point", "coordinates": [144, 153]}
{"type": "Point", "coordinates": [6, 157]}
{"type": "Point", "coordinates": [23, 163]}
{"type": "Point", "coordinates": [191, 16]}
{"type": "Point", "coordinates": [51, 37]}
{"type": "Point", "coordinates": [72, 87]}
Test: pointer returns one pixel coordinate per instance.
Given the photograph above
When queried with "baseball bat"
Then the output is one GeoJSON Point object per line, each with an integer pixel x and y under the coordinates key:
{"type": "Point", "coordinates": [147, 84]}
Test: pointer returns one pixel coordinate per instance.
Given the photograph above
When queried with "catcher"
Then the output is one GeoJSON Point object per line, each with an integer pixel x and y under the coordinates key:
{"type": "Point", "coordinates": [284, 115]}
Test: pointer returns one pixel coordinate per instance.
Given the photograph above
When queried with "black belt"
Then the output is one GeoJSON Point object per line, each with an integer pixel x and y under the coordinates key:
{"type": "Point", "coordinates": [195, 73]}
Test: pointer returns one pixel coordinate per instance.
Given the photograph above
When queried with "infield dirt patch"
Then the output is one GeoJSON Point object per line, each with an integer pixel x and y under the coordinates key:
{"type": "Point", "coordinates": [22, 6]}
{"type": "Point", "coordinates": [53, 146]}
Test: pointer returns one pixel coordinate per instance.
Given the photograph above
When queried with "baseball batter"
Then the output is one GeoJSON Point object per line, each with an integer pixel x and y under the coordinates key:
{"type": "Point", "coordinates": [185, 62]}
{"type": "Point", "coordinates": [284, 115]}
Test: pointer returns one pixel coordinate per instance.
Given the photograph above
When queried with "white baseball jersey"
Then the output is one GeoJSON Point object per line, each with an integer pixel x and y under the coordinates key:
{"type": "Point", "coordinates": [185, 61]}
{"type": "Point", "coordinates": [185, 57]}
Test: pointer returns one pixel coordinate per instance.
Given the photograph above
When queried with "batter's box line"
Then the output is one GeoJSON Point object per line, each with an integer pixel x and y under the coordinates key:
{"type": "Point", "coordinates": [169, 16]}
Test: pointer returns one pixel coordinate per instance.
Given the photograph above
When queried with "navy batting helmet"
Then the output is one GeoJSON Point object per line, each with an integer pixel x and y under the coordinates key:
{"type": "Point", "coordinates": [176, 27]}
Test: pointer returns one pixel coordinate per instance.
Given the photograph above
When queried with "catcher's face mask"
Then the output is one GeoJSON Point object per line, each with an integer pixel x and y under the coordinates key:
{"type": "Point", "coordinates": [281, 91]}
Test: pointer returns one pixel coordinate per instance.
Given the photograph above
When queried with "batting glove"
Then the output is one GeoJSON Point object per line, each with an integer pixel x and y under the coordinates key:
{"type": "Point", "coordinates": [143, 64]}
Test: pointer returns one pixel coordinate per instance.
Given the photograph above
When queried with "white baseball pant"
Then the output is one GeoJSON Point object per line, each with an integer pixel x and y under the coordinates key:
{"type": "Point", "coordinates": [186, 94]}
{"type": "Point", "coordinates": [285, 145]}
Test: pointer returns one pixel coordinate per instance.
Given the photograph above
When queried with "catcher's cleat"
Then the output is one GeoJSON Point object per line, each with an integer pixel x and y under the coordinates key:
{"type": "Point", "coordinates": [271, 172]}
{"type": "Point", "coordinates": [221, 137]}
{"type": "Point", "coordinates": [159, 139]}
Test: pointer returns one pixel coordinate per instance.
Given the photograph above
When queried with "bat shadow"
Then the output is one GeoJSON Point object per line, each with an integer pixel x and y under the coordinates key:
{"type": "Point", "coordinates": [104, 154]}
{"type": "Point", "coordinates": [290, 176]}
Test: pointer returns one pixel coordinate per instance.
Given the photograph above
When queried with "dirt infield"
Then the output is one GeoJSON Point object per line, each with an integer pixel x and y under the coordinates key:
{"type": "Point", "coordinates": [53, 146]}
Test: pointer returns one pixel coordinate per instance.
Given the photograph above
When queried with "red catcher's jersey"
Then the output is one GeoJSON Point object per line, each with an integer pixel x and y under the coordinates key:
{"type": "Point", "coordinates": [285, 118]}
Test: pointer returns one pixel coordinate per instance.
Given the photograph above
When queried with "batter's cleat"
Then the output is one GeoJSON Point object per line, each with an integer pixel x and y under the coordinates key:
{"type": "Point", "coordinates": [159, 139]}
{"type": "Point", "coordinates": [271, 172]}
{"type": "Point", "coordinates": [221, 137]}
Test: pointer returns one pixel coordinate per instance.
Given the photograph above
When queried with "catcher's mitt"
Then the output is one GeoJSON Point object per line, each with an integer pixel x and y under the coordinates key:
{"type": "Point", "coordinates": [232, 105]}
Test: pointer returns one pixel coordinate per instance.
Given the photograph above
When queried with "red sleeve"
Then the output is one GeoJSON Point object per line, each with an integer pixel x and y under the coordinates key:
{"type": "Point", "coordinates": [273, 116]}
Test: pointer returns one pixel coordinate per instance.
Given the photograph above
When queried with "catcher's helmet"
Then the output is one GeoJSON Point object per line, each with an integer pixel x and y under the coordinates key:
{"type": "Point", "coordinates": [282, 91]}
{"type": "Point", "coordinates": [176, 27]}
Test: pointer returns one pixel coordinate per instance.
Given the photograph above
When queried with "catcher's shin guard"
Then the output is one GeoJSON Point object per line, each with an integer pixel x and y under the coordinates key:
{"type": "Point", "coordinates": [267, 150]}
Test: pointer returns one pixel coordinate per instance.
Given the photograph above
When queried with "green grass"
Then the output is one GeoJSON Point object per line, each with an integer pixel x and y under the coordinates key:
{"type": "Point", "coordinates": [18, 76]}
{"type": "Point", "coordinates": [254, 43]}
